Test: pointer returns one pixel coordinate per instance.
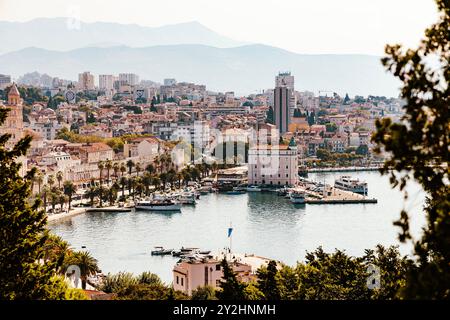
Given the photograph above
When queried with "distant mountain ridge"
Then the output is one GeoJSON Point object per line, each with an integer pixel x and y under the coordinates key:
{"type": "Point", "coordinates": [244, 69]}
{"type": "Point", "coordinates": [62, 34]}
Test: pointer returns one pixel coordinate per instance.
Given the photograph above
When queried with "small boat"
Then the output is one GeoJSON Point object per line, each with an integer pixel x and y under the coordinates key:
{"type": "Point", "coordinates": [282, 192]}
{"type": "Point", "coordinates": [253, 189]}
{"type": "Point", "coordinates": [297, 197]}
{"type": "Point", "coordinates": [160, 251]}
{"type": "Point", "coordinates": [159, 205]}
{"type": "Point", "coordinates": [348, 183]}
{"type": "Point", "coordinates": [188, 198]}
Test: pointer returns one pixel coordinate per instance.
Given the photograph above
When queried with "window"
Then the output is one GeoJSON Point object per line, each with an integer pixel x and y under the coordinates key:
{"type": "Point", "coordinates": [217, 267]}
{"type": "Point", "coordinates": [177, 279]}
{"type": "Point", "coordinates": [182, 284]}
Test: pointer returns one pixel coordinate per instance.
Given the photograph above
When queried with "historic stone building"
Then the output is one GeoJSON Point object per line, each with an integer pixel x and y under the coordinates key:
{"type": "Point", "coordinates": [14, 121]}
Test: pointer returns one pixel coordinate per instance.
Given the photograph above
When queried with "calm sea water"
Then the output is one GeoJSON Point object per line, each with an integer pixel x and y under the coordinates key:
{"type": "Point", "coordinates": [263, 223]}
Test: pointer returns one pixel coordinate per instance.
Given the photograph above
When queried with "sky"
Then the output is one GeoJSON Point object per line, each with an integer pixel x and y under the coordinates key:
{"type": "Point", "coordinates": [313, 26]}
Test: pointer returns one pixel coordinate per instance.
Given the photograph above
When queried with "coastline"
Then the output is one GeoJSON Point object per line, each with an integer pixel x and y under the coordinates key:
{"type": "Point", "coordinates": [61, 216]}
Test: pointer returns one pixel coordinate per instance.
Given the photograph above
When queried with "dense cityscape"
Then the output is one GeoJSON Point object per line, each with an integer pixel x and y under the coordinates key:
{"type": "Point", "coordinates": [120, 186]}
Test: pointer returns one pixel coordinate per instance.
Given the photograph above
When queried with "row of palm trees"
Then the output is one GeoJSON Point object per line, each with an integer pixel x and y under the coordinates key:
{"type": "Point", "coordinates": [56, 192]}
{"type": "Point", "coordinates": [129, 176]}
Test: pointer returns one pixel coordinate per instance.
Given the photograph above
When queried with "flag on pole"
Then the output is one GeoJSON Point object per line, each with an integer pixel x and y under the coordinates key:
{"type": "Point", "coordinates": [230, 230]}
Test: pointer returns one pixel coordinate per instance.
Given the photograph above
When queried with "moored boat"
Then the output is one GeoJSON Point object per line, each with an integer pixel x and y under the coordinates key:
{"type": "Point", "coordinates": [253, 189]}
{"type": "Point", "coordinates": [160, 251]}
{"type": "Point", "coordinates": [297, 197]}
{"type": "Point", "coordinates": [348, 183]}
{"type": "Point", "coordinates": [158, 205]}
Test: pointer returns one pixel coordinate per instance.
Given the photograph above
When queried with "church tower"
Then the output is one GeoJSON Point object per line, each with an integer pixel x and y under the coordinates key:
{"type": "Point", "coordinates": [14, 121]}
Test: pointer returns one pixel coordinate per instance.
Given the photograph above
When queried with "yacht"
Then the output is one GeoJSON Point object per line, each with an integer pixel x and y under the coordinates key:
{"type": "Point", "coordinates": [253, 189]}
{"type": "Point", "coordinates": [348, 183]}
{"type": "Point", "coordinates": [159, 205]}
{"type": "Point", "coordinates": [297, 197]}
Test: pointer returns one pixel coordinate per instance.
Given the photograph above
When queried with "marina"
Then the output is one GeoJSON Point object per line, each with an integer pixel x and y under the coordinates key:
{"type": "Point", "coordinates": [265, 224]}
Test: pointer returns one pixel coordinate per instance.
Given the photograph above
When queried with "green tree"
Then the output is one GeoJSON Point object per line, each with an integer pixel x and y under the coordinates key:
{"type": "Point", "coordinates": [22, 275]}
{"type": "Point", "coordinates": [204, 293]}
{"type": "Point", "coordinates": [418, 149]}
{"type": "Point", "coordinates": [268, 281]}
{"type": "Point", "coordinates": [230, 287]}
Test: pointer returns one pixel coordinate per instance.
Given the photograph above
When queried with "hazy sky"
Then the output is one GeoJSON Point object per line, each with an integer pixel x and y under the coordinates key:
{"type": "Point", "coordinates": [313, 26]}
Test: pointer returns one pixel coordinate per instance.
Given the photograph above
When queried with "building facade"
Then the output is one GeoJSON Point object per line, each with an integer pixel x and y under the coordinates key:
{"type": "Point", "coordinates": [273, 165]}
{"type": "Point", "coordinates": [281, 110]}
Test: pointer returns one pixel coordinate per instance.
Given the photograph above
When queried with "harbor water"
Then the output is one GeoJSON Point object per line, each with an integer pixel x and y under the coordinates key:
{"type": "Point", "coordinates": [263, 223]}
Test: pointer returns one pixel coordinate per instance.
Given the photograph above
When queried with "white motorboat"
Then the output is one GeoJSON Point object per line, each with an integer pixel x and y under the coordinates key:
{"type": "Point", "coordinates": [348, 183]}
{"type": "Point", "coordinates": [159, 205]}
{"type": "Point", "coordinates": [297, 197]}
{"type": "Point", "coordinates": [253, 189]}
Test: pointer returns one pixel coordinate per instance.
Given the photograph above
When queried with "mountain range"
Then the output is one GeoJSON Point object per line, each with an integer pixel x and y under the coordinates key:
{"type": "Point", "coordinates": [218, 62]}
{"type": "Point", "coordinates": [62, 34]}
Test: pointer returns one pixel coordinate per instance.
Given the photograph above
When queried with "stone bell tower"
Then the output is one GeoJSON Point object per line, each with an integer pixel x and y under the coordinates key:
{"type": "Point", "coordinates": [14, 121]}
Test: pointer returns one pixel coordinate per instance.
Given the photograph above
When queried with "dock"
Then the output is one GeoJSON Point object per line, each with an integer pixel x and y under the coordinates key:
{"type": "Point", "coordinates": [343, 169]}
{"type": "Point", "coordinates": [332, 195]}
{"type": "Point", "coordinates": [340, 201]}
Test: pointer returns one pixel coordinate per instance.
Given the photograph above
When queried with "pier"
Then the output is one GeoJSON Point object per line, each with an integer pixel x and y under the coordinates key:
{"type": "Point", "coordinates": [344, 169]}
{"type": "Point", "coordinates": [333, 195]}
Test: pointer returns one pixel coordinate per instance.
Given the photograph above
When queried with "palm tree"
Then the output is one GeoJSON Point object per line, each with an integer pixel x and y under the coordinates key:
{"type": "Point", "coordinates": [150, 169]}
{"type": "Point", "coordinates": [116, 169]}
{"type": "Point", "coordinates": [59, 177]}
{"type": "Point", "coordinates": [130, 165]}
{"type": "Point", "coordinates": [123, 169]}
{"type": "Point", "coordinates": [45, 194]}
{"type": "Point", "coordinates": [39, 179]}
{"type": "Point", "coordinates": [62, 200]}
{"type": "Point", "coordinates": [91, 193]}
{"type": "Point", "coordinates": [108, 166]}
{"type": "Point", "coordinates": [138, 168]}
{"type": "Point", "coordinates": [157, 162]}
{"type": "Point", "coordinates": [101, 165]}
{"type": "Point", "coordinates": [186, 175]}
{"type": "Point", "coordinates": [112, 193]}
{"type": "Point", "coordinates": [101, 192]}
{"type": "Point", "coordinates": [86, 262]}
{"type": "Point", "coordinates": [54, 199]}
{"type": "Point", "coordinates": [164, 177]}
{"type": "Point", "coordinates": [51, 180]}
{"type": "Point", "coordinates": [156, 181]}
{"type": "Point", "coordinates": [123, 183]}
{"type": "Point", "coordinates": [147, 181]}
{"type": "Point", "coordinates": [56, 249]}
{"type": "Point", "coordinates": [69, 190]}
{"type": "Point", "coordinates": [178, 178]}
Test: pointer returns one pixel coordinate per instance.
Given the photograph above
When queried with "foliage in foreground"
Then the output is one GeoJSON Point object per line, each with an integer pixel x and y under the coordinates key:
{"type": "Point", "coordinates": [323, 276]}
{"type": "Point", "coordinates": [418, 150]}
{"type": "Point", "coordinates": [146, 286]}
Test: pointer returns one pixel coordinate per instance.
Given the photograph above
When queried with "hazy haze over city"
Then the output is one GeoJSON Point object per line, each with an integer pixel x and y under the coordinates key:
{"type": "Point", "coordinates": [320, 26]}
